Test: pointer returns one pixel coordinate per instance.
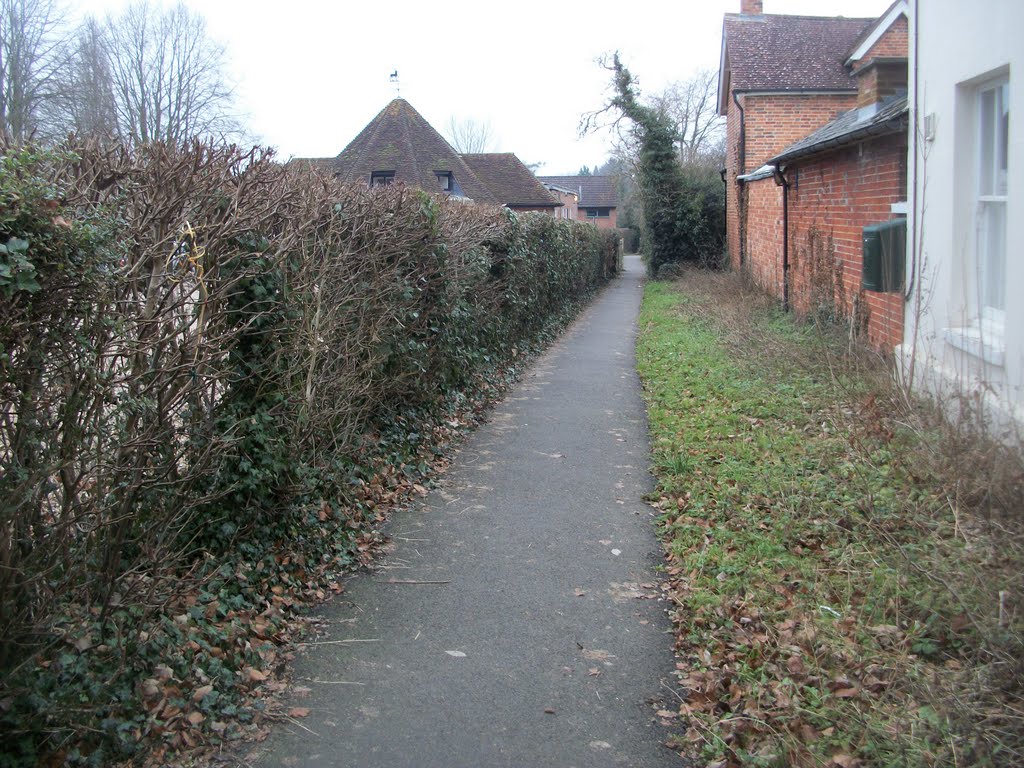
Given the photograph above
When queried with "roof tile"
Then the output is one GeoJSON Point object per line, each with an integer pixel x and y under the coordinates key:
{"type": "Point", "coordinates": [784, 53]}
{"type": "Point", "coordinates": [509, 180]}
{"type": "Point", "coordinates": [594, 191]}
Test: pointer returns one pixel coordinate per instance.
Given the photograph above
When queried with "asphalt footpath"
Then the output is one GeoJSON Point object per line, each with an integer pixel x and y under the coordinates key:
{"type": "Point", "coordinates": [517, 621]}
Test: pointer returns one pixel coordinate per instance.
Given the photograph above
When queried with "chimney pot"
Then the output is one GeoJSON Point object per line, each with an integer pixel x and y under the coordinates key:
{"type": "Point", "coordinates": [751, 7]}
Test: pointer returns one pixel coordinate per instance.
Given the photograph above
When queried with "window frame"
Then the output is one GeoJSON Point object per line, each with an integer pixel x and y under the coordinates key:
{"type": "Point", "coordinates": [381, 178]}
{"type": "Point", "coordinates": [990, 167]}
{"type": "Point", "coordinates": [983, 334]}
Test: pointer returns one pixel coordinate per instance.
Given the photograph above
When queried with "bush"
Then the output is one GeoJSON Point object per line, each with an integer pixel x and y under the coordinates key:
{"type": "Point", "coordinates": [212, 365]}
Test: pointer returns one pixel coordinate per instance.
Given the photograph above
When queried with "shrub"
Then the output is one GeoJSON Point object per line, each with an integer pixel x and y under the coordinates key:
{"type": "Point", "coordinates": [210, 364]}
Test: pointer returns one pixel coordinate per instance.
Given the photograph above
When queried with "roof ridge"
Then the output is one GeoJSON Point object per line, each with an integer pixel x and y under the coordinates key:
{"type": "Point", "coordinates": [799, 16]}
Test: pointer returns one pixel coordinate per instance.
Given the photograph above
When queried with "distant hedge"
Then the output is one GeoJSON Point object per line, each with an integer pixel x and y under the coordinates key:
{"type": "Point", "coordinates": [204, 354]}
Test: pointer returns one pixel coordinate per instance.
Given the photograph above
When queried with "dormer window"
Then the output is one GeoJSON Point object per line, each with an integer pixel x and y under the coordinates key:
{"type": "Point", "coordinates": [382, 178]}
{"type": "Point", "coordinates": [445, 179]}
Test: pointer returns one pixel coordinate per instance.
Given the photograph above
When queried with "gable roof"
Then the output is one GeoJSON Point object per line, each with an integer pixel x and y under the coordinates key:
{"type": "Point", "coordinates": [509, 181]}
{"type": "Point", "coordinates": [399, 139]}
{"type": "Point", "coordinates": [594, 191]}
{"type": "Point", "coordinates": [875, 31]}
{"type": "Point", "coordinates": [879, 119]}
{"type": "Point", "coordinates": [774, 53]}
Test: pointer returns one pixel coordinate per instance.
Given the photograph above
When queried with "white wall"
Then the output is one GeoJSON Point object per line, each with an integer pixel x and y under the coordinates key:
{"type": "Point", "coordinates": [957, 44]}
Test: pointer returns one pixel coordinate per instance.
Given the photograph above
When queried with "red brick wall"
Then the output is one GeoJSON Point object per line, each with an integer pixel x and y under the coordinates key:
{"type": "Point", "coordinates": [881, 80]}
{"type": "Point", "coordinates": [549, 210]}
{"type": "Point", "coordinates": [608, 222]}
{"type": "Point", "coordinates": [569, 202]}
{"type": "Point", "coordinates": [772, 123]}
{"type": "Point", "coordinates": [892, 44]}
{"type": "Point", "coordinates": [775, 122]}
{"type": "Point", "coordinates": [832, 198]}
{"type": "Point", "coordinates": [732, 228]}
{"type": "Point", "coordinates": [764, 228]}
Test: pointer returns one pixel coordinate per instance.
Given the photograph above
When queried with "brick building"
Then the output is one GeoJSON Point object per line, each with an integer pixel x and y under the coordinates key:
{"type": "Point", "coordinates": [816, 150]}
{"type": "Point", "coordinates": [597, 197]}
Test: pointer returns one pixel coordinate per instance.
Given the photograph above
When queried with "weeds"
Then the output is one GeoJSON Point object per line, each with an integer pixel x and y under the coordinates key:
{"type": "Point", "coordinates": [846, 568]}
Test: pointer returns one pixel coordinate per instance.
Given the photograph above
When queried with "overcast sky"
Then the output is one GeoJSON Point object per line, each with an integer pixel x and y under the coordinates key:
{"type": "Point", "coordinates": [311, 73]}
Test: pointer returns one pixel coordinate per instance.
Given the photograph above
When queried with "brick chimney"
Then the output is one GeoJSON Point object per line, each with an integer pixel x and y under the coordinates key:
{"type": "Point", "coordinates": [751, 7]}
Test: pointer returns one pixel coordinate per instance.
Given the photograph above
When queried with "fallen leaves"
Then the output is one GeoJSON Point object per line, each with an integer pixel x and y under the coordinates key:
{"type": "Point", "coordinates": [201, 692]}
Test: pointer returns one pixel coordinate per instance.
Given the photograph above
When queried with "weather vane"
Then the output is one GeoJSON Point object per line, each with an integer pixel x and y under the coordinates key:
{"type": "Point", "coordinates": [394, 80]}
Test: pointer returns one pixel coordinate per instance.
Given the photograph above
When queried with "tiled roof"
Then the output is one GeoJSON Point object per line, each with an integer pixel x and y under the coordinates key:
{"type": "Point", "coordinates": [509, 181]}
{"type": "Point", "coordinates": [317, 163]}
{"type": "Point", "coordinates": [399, 139]}
{"type": "Point", "coordinates": [784, 53]}
{"type": "Point", "coordinates": [594, 191]}
{"type": "Point", "coordinates": [889, 116]}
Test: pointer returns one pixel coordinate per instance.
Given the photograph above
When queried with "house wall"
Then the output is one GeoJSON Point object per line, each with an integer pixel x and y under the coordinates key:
{"type": "Point", "coordinates": [545, 209]}
{"type": "Point", "coordinates": [569, 204]}
{"type": "Point", "coordinates": [832, 197]}
{"type": "Point", "coordinates": [893, 43]}
{"type": "Point", "coordinates": [880, 81]}
{"type": "Point", "coordinates": [732, 187]}
{"type": "Point", "coordinates": [771, 122]}
{"type": "Point", "coordinates": [764, 229]}
{"type": "Point", "coordinates": [776, 121]}
{"type": "Point", "coordinates": [985, 36]}
{"type": "Point", "coordinates": [609, 222]}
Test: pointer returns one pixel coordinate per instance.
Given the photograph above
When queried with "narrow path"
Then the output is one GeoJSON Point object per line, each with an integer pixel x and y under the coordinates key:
{"type": "Point", "coordinates": [538, 648]}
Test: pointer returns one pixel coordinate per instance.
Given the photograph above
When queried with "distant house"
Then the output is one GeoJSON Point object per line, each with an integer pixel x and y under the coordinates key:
{"type": "Point", "coordinates": [817, 160]}
{"type": "Point", "coordinates": [597, 197]}
{"type": "Point", "coordinates": [400, 146]}
{"type": "Point", "coordinates": [569, 199]}
{"type": "Point", "coordinates": [964, 325]}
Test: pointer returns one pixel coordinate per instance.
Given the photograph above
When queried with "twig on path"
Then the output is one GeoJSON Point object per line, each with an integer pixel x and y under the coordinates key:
{"type": "Point", "coordinates": [296, 722]}
{"type": "Point", "coordinates": [672, 691]}
{"type": "Point", "coordinates": [415, 581]}
{"type": "Point", "coordinates": [341, 642]}
{"type": "Point", "coordinates": [330, 682]}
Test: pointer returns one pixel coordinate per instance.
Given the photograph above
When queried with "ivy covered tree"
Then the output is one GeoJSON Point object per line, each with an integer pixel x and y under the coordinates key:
{"type": "Point", "coordinates": [681, 212]}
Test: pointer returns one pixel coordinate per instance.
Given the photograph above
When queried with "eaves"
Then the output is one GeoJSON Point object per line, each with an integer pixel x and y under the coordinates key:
{"type": "Point", "coordinates": [796, 92]}
{"type": "Point", "coordinates": [895, 125]}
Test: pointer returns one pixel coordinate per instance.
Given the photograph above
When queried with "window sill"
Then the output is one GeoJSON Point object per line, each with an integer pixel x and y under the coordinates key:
{"type": "Point", "coordinates": [988, 345]}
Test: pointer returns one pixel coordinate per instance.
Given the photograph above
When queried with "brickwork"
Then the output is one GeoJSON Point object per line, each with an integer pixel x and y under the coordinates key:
{"type": "Point", "coordinates": [775, 121]}
{"type": "Point", "coordinates": [881, 80]}
{"type": "Point", "coordinates": [764, 234]}
{"type": "Point", "coordinates": [601, 222]}
{"type": "Point", "coordinates": [772, 123]}
{"type": "Point", "coordinates": [831, 199]}
{"type": "Point", "coordinates": [732, 202]}
{"type": "Point", "coordinates": [569, 201]}
{"type": "Point", "coordinates": [893, 44]}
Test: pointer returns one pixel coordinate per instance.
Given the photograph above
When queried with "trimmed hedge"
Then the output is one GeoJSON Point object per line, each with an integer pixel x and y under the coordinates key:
{"type": "Point", "coordinates": [212, 365]}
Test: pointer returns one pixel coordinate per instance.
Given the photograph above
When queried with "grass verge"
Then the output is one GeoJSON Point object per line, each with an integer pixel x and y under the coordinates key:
{"type": "Point", "coordinates": [845, 568]}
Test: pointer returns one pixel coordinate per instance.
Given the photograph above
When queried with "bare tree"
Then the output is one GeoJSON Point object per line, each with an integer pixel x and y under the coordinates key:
{"type": "Point", "coordinates": [30, 47]}
{"type": "Point", "coordinates": [83, 96]}
{"type": "Point", "coordinates": [168, 75]}
{"type": "Point", "coordinates": [690, 105]}
{"type": "Point", "coordinates": [470, 137]}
